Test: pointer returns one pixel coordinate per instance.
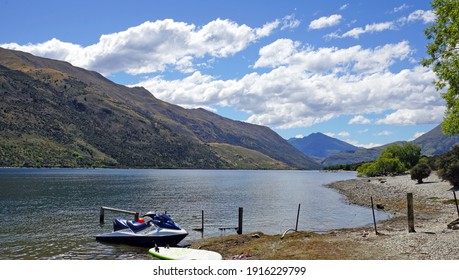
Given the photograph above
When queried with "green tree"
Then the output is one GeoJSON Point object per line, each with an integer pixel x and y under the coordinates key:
{"type": "Point", "coordinates": [408, 154]}
{"type": "Point", "coordinates": [394, 160]}
{"type": "Point", "coordinates": [420, 171]}
{"type": "Point", "coordinates": [443, 51]}
{"type": "Point", "coordinates": [448, 165]}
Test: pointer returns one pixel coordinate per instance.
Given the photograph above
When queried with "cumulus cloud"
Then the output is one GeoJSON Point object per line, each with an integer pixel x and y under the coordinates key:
{"type": "Point", "coordinates": [324, 22]}
{"type": "Point", "coordinates": [359, 120]}
{"type": "Point", "coordinates": [154, 46]}
{"type": "Point", "coordinates": [411, 116]}
{"type": "Point", "coordinates": [302, 86]}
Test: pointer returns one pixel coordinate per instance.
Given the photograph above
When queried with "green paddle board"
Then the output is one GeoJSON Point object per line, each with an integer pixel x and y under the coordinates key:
{"type": "Point", "coordinates": [176, 253]}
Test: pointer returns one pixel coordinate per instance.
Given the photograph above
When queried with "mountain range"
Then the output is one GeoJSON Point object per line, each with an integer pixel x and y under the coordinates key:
{"type": "Point", "coordinates": [330, 151]}
{"type": "Point", "coordinates": [56, 115]}
{"type": "Point", "coordinates": [320, 146]}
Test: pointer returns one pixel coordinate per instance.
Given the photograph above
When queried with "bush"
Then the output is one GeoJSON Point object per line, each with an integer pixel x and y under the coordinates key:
{"type": "Point", "coordinates": [420, 171]}
{"type": "Point", "coordinates": [448, 166]}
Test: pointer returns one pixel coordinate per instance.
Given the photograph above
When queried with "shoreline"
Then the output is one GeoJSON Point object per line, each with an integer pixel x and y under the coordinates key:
{"type": "Point", "coordinates": [432, 240]}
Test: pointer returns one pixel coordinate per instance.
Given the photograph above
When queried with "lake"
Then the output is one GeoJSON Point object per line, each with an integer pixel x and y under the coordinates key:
{"type": "Point", "coordinates": [54, 213]}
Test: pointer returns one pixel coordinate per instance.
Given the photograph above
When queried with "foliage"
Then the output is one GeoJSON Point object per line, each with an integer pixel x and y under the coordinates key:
{"type": "Point", "coordinates": [393, 160]}
{"type": "Point", "coordinates": [420, 171]}
{"type": "Point", "coordinates": [383, 166]}
{"type": "Point", "coordinates": [448, 166]}
{"type": "Point", "coordinates": [444, 57]}
{"type": "Point", "coordinates": [408, 154]}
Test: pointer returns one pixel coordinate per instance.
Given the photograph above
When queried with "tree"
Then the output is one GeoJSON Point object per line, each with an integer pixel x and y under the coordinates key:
{"type": "Point", "coordinates": [394, 160]}
{"type": "Point", "coordinates": [448, 165]}
{"type": "Point", "coordinates": [443, 51]}
{"type": "Point", "coordinates": [420, 171]}
{"type": "Point", "coordinates": [408, 154]}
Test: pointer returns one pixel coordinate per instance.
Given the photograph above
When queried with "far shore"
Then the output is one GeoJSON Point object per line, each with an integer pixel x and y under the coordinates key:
{"type": "Point", "coordinates": [433, 206]}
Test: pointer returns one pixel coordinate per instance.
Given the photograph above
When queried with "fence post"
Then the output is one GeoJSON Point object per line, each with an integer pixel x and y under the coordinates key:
{"type": "Point", "coordinates": [297, 217]}
{"type": "Point", "coordinates": [455, 201]}
{"type": "Point", "coordinates": [101, 216]}
{"type": "Point", "coordinates": [374, 218]}
{"type": "Point", "coordinates": [202, 220]}
{"type": "Point", "coordinates": [409, 198]}
{"type": "Point", "coordinates": [239, 229]}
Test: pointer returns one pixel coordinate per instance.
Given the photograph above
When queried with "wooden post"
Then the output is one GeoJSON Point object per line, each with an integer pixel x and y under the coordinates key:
{"type": "Point", "coordinates": [455, 200]}
{"type": "Point", "coordinates": [409, 198]}
{"type": "Point", "coordinates": [239, 229]}
{"type": "Point", "coordinates": [202, 220]}
{"type": "Point", "coordinates": [374, 218]}
{"type": "Point", "coordinates": [297, 217]}
{"type": "Point", "coordinates": [101, 215]}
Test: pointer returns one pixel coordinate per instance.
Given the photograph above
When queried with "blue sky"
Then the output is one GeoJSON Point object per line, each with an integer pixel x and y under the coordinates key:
{"type": "Point", "coordinates": [349, 69]}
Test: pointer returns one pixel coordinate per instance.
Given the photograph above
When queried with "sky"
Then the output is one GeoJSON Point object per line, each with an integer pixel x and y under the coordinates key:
{"type": "Point", "coordinates": [348, 69]}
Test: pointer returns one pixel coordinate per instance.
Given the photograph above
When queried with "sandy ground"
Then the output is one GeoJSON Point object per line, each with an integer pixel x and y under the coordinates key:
{"type": "Point", "coordinates": [434, 209]}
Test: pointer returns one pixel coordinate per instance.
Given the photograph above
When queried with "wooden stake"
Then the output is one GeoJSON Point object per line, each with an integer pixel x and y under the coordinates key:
{"type": "Point", "coordinates": [239, 229]}
{"type": "Point", "coordinates": [409, 198]}
{"type": "Point", "coordinates": [374, 218]}
{"type": "Point", "coordinates": [455, 200]}
{"type": "Point", "coordinates": [297, 217]}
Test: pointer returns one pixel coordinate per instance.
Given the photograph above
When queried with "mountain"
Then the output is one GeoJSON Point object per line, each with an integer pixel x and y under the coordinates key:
{"type": "Point", "coordinates": [55, 114]}
{"type": "Point", "coordinates": [435, 142]}
{"type": "Point", "coordinates": [320, 146]}
{"type": "Point", "coordinates": [360, 155]}
{"type": "Point", "coordinates": [432, 143]}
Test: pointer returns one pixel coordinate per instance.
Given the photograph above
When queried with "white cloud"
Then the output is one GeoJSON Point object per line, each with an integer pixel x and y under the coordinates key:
{"type": "Point", "coordinates": [344, 134]}
{"type": "Point", "coordinates": [369, 28]}
{"type": "Point", "coordinates": [307, 86]}
{"type": "Point", "coordinates": [400, 8]}
{"type": "Point", "coordinates": [154, 46]}
{"type": "Point", "coordinates": [290, 22]}
{"type": "Point", "coordinates": [355, 59]}
{"type": "Point", "coordinates": [324, 22]}
{"type": "Point", "coordinates": [359, 120]}
{"type": "Point", "coordinates": [384, 133]}
{"type": "Point", "coordinates": [344, 7]}
{"type": "Point", "coordinates": [412, 116]}
{"type": "Point", "coordinates": [425, 16]}
{"type": "Point", "coordinates": [366, 146]}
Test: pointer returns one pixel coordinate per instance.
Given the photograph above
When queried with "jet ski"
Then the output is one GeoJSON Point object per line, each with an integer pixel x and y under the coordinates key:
{"type": "Point", "coordinates": [161, 230]}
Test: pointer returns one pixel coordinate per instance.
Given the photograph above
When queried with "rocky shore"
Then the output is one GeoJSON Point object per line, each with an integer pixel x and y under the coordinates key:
{"type": "Point", "coordinates": [434, 209]}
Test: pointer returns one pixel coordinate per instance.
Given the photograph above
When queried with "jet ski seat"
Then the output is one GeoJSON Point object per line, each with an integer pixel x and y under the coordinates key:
{"type": "Point", "coordinates": [135, 226]}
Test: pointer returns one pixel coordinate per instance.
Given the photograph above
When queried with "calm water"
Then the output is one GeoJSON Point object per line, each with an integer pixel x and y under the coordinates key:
{"type": "Point", "coordinates": [54, 213]}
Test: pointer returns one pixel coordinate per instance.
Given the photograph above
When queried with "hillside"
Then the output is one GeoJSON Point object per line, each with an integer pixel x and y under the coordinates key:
{"type": "Point", "coordinates": [55, 114]}
{"type": "Point", "coordinates": [435, 142]}
{"type": "Point", "coordinates": [432, 143]}
{"type": "Point", "coordinates": [320, 145]}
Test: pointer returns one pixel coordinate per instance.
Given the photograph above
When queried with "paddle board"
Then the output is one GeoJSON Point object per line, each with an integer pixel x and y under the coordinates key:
{"type": "Point", "coordinates": [176, 253]}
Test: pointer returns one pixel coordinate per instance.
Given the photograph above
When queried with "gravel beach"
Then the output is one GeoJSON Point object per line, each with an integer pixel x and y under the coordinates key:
{"type": "Point", "coordinates": [434, 209]}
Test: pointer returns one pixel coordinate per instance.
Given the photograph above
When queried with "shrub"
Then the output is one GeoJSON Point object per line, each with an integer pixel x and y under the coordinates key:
{"type": "Point", "coordinates": [420, 171]}
{"type": "Point", "coordinates": [448, 166]}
